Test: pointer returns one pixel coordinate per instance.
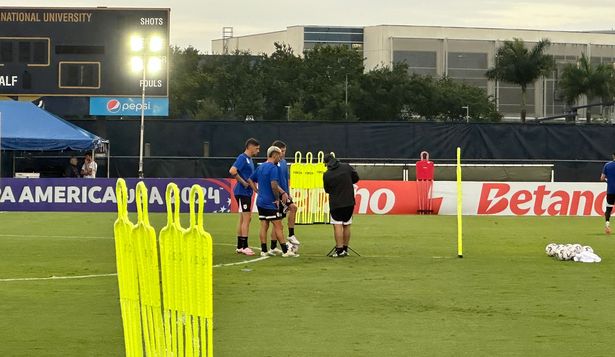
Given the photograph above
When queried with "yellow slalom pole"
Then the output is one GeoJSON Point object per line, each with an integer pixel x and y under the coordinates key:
{"type": "Point", "coordinates": [170, 264]}
{"type": "Point", "coordinates": [459, 207]}
{"type": "Point", "coordinates": [127, 275]}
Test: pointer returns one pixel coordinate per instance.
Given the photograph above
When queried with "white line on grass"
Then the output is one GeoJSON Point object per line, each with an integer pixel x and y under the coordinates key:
{"type": "Point", "coordinates": [46, 236]}
{"type": "Point", "coordinates": [248, 261]}
{"type": "Point", "coordinates": [242, 262]}
{"type": "Point", "coordinates": [60, 277]}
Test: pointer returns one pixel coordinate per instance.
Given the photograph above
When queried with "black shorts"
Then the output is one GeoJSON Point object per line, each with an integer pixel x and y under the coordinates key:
{"type": "Point", "coordinates": [342, 214]}
{"type": "Point", "coordinates": [244, 203]}
{"type": "Point", "coordinates": [610, 199]}
{"type": "Point", "coordinates": [266, 214]}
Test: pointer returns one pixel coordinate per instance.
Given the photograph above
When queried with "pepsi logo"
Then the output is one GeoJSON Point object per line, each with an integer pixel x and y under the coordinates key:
{"type": "Point", "coordinates": [113, 106]}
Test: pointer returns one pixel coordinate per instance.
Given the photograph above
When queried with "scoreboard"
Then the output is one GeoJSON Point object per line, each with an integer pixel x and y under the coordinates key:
{"type": "Point", "coordinates": [83, 51]}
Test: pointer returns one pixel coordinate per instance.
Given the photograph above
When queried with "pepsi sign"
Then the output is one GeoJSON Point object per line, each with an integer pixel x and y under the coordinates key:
{"type": "Point", "coordinates": [132, 106]}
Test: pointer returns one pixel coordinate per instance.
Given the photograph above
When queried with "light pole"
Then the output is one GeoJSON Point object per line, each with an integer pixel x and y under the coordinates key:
{"type": "Point", "coordinates": [145, 60]}
{"type": "Point", "coordinates": [287, 112]}
{"type": "Point", "coordinates": [467, 108]}
{"type": "Point", "coordinates": [346, 95]}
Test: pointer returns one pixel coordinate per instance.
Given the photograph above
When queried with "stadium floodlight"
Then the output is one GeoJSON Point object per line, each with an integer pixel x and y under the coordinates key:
{"type": "Point", "coordinates": [136, 43]}
{"type": "Point", "coordinates": [154, 65]}
{"type": "Point", "coordinates": [136, 64]}
{"type": "Point", "coordinates": [155, 44]}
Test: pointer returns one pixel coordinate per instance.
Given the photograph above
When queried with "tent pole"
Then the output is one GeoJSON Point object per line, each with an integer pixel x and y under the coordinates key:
{"type": "Point", "coordinates": [0, 146]}
{"type": "Point", "coordinates": [108, 157]}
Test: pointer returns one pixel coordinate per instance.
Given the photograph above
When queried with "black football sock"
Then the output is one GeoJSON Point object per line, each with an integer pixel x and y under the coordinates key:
{"type": "Point", "coordinates": [291, 231]}
{"type": "Point", "coordinates": [244, 242]}
{"type": "Point", "coordinates": [264, 247]}
{"type": "Point", "coordinates": [284, 247]}
{"type": "Point", "coordinates": [607, 213]}
{"type": "Point", "coordinates": [339, 250]}
{"type": "Point", "coordinates": [274, 244]}
{"type": "Point", "coordinates": [239, 242]}
{"type": "Point", "coordinates": [345, 248]}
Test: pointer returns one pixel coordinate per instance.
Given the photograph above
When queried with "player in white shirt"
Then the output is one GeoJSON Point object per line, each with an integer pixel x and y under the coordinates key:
{"type": "Point", "coordinates": [88, 170]}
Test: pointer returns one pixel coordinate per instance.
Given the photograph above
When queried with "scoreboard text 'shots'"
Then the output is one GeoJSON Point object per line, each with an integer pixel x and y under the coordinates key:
{"type": "Point", "coordinates": [82, 51]}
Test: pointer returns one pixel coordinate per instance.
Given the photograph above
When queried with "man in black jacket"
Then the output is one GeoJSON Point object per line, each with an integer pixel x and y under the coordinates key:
{"type": "Point", "coordinates": [72, 170]}
{"type": "Point", "coordinates": [338, 182]}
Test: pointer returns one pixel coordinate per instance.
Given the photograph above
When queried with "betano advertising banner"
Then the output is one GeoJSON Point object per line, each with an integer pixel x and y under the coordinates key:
{"type": "Point", "coordinates": [524, 198]}
{"type": "Point", "coordinates": [372, 197]}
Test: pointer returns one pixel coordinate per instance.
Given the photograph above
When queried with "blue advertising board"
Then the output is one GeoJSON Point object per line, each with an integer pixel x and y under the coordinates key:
{"type": "Point", "coordinates": [120, 106]}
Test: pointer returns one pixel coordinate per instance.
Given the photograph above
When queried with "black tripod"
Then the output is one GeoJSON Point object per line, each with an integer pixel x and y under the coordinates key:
{"type": "Point", "coordinates": [330, 254]}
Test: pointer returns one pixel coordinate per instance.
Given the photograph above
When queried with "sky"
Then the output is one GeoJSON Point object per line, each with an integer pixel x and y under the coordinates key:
{"type": "Point", "coordinates": [197, 22]}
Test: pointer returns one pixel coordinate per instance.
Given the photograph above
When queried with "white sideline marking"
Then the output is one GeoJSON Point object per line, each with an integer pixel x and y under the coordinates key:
{"type": "Point", "coordinates": [60, 237]}
{"type": "Point", "coordinates": [248, 261]}
{"type": "Point", "coordinates": [60, 277]}
{"type": "Point", "coordinates": [242, 262]}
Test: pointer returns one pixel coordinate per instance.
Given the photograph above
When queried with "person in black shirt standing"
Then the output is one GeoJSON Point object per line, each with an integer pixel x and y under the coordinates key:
{"type": "Point", "coordinates": [72, 170]}
{"type": "Point", "coordinates": [338, 182]}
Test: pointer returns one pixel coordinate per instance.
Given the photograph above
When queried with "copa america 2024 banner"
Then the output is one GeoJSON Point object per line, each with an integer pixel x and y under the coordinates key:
{"type": "Point", "coordinates": [98, 195]}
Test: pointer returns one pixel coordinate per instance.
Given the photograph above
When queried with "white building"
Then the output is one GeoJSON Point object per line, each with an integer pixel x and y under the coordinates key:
{"type": "Point", "coordinates": [463, 54]}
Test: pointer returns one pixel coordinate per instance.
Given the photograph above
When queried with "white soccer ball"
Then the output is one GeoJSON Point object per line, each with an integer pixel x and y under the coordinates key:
{"type": "Point", "coordinates": [571, 253]}
{"type": "Point", "coordinates": [587, 248]}
{"type": "Point", "coordinates": [292, 247]}
{"type": "Point", "coordinates": [565, 253]}
{"type": "Point", "coordinates": [550, 249]}
{"type": "Point", "coordinates": [578, 249]}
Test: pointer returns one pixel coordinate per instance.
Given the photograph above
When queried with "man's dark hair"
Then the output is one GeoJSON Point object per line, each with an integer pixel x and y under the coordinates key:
{"type": "Point", "coordinates": [328, 158]}
{"type": "Point", "coordinates": [88, 154]}
{"type": "Point", "coordinates": [252, 142]}
{"type": "Point", "coordinates": [279, 143]}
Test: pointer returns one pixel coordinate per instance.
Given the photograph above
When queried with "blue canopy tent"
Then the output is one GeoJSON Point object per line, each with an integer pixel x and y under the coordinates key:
{"type": "Point", "coordinates": [26, 127]}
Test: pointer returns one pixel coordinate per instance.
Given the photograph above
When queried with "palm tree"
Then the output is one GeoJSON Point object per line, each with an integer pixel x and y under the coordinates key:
{"type": "Point", "coordinates": [514, 63]}
{"type": "Point", "coordinates": [584, 79]}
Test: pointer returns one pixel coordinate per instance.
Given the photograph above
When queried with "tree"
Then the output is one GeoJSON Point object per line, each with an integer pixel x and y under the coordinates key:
{"type": "Point", "coordinates": [281, 85]}
{"type": "Point", "coordinates": [185, 82]}
{"type": "Point", "coordinates": [234, 82]}
{"type": "Point", "coordinates": [383, 93]}
{"type": "Point", "coordinates": [583, 78]}
{"type": "Point", "coordinates": [514, 63]}
{"type": "Point", "coordinates": [330, 72]}
{"type": "Point", "coordinates": [452, 96]}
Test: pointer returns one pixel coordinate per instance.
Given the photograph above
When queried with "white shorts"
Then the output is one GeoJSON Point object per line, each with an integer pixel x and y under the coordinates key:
{"type": "Point", "coordinates": [347, 223]}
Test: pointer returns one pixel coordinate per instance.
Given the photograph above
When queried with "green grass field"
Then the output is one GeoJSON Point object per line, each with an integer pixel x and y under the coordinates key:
{"type": "Point", "coordinates": [408, 295]}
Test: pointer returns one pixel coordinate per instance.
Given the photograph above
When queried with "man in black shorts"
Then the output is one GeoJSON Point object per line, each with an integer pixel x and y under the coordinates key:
{"type": "Point", "coordinates": [338, 182]}
{"type": "Point", "coordinates": [268, 201]}
{"type": "Point", "coordinates": [242, 170]}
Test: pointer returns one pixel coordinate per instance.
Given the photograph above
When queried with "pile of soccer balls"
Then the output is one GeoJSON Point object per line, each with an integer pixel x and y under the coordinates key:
{"type": "Point", "coordinates": [576, 252]}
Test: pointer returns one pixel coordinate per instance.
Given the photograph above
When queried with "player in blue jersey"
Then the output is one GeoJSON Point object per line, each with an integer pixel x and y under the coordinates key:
{"type": "Point", "coordinates": [286, 205]}
{"type": "Point", "coordinates": [269, 192]}
{"type": "Point", "coordinates": [608, 175]}
{"type": "Point", "coordinates": [242, 170]}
